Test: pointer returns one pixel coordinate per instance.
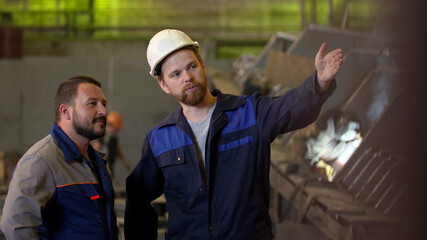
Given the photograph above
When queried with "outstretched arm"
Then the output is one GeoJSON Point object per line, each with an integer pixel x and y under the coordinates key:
{"type": "Point", "coordinates": [327, 65]}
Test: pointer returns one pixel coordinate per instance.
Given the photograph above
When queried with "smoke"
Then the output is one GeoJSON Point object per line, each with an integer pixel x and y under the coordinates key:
{"type": "Point", "coordinates": [381, 100]}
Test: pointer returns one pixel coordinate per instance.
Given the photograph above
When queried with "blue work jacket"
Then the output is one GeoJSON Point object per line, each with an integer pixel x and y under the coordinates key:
{"type": "Point", "coordinates": [230, 199]}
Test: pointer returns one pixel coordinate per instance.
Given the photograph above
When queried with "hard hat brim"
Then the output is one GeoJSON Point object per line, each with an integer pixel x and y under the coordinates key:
{"type": "Point", "coordinates": [194, 44]}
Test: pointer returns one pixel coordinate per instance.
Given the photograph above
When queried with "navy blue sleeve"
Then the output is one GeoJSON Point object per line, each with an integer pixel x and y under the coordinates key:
{"type": "Point", "coordinates": [296, 109]}
{"type": "Point", "coordinates": [143, 185]}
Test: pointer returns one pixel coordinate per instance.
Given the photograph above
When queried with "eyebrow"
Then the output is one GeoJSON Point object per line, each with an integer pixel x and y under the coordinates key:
{"type": "Point", "coordinates": [186, 66]}
{"type": "Point", "coordinates": [96, 99]}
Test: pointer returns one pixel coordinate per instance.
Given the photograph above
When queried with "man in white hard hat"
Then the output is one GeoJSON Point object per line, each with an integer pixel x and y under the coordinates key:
{"type": "Point", "coordinates": [211, 157]}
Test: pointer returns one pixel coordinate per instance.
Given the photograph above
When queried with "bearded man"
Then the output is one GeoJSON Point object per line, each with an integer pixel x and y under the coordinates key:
{"type": "Point", "coordinates": [61, 188]}
{"type": "Point", "coordinates": [211, 157]}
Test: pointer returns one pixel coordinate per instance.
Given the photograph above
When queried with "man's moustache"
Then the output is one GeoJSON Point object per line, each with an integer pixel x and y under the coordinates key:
{"type": "Point", "coordinates": [103, 118]}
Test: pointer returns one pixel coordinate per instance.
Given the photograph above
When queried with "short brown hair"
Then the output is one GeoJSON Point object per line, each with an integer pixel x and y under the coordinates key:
{"type": "Point", "coordinates": [67, 92]}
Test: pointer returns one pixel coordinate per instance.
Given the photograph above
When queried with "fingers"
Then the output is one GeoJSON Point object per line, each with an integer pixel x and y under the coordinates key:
{"type": "Point", "coordinates": [336, 67]}
{"type": "Point", "coordinates": [328, 64]}
{"type": "Point", "coordinates": [335, 56]}
{"type": "Point", "coordinates": [322, 50]}
{"type": "Point", "coordinates": [337, 53]}
{"type": "Point", "coordinates": [336, 60]}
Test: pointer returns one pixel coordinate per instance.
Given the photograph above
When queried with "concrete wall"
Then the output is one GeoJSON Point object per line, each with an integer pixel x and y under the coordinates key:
{"type": "Point", "coordinates": [28, 86]}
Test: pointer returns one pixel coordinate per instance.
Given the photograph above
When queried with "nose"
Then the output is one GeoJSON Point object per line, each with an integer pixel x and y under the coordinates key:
{"type": "Point", "coordinates": [187, 76]}
{"type": "Point", "coordinates": [102, 110]}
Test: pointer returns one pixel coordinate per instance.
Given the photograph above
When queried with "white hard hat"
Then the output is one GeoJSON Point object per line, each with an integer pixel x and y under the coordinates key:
{"type": "Point", "coordinates": [164, 43]}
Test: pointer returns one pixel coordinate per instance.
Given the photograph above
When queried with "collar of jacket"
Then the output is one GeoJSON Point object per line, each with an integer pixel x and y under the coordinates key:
{"type": "Point", "coordinates": [69, 149]}
{"type": "Point", "coordinates": [225, 102]}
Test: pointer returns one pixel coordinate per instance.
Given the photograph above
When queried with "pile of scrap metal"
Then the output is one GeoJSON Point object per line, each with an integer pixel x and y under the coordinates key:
{"type": "Point", "coordinates": [255, 82]}
{"type": "Point", "coordinates": [341, 174]}
{"type": "Point", "coordinates": [249, 71]}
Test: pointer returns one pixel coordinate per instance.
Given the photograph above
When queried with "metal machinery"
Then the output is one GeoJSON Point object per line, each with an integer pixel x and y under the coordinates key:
{"type": "Point", "coordinates": [342, 176]}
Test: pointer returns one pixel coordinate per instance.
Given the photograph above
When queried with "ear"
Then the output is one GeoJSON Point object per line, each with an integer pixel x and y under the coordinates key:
{"type": "Point", "coordinates": [163, 85]}
{"type": "Point", "coordinates": [65, 111]}
{"type": "Point", "coordinates": [202, 64]}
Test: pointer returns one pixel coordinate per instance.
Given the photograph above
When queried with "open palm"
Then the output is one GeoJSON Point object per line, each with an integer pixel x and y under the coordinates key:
{"type": "Point", "coordinates": [328, 64]}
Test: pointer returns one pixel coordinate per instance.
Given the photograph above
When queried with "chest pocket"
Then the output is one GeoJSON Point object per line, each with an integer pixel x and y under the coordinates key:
{"type": "Point", "coordinates": [237, 154]}
{"type": "Point", "coordinates": [175, 171]}
{"type": "Point", "coordinates": [80, 203]}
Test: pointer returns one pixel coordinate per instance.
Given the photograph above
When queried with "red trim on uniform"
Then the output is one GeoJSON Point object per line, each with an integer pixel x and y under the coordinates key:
{"type": "Point", "coordinates": [76, 184]}
{"type": "Point", "coordinates": [94, 197]}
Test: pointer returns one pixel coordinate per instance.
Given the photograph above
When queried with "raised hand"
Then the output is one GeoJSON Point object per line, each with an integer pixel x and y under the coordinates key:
{"type": "Point", "coordinates": [328, 65]}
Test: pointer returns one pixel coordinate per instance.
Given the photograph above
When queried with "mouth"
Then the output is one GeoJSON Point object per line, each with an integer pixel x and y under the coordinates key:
{"type": "Point", "coordinates": [102, 120]}
{"type": "Point", "coordinates": [191, 88]}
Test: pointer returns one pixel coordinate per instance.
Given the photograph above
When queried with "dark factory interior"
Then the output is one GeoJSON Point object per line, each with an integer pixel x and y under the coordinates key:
{"type": "Point", "coordinates": [356, 173]}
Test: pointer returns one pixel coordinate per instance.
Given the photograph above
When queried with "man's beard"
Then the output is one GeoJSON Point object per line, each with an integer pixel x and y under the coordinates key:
{"type": "Point", "coordinates": [193, 98]}
{"type": "Point", "coordinates": [87, 130]}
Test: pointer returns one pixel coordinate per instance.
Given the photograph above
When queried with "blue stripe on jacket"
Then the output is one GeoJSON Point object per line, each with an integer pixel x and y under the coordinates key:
{"type": "Point", "coordinates": [240, 119]}
{"type": "Point", "coordinates": [170, 138]}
